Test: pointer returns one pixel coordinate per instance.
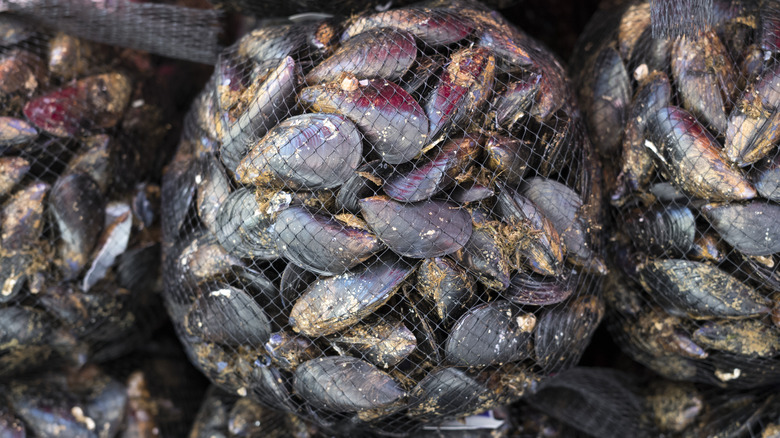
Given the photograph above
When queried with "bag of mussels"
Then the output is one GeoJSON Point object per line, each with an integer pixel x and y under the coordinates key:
{"type": "Point", "coordinates": [81, 136]}
{"type": "Point", "coordinates": [694, 194]}
{"type": "Point", "coordinates": [385, 221]}
{"type": "Point", "coordinates": [153, 392]}
{"type": "Point", "coordinates": [609, 402]}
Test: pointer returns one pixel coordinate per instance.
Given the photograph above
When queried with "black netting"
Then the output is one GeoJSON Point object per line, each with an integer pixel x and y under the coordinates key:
{"type": "Point", "coordinates": [688, 128]}
{"type": "Point", "coordinates": [84, 132]}
{"type": "Point", "coordinates": [606, 402]}
{"type": "Point", "coordinates": [164, 29]}
{"type": "Point", "coordinates": [266, 8]}
{"type": "Point", "coordinates": [154, 392]}
{"type": "Point", "coordinates": [386, 221]}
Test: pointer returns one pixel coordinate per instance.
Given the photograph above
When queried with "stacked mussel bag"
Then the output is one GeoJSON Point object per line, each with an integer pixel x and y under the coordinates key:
{"type": "Point", "coordinates": [384, 221]}
{"type": "Point", "coordinates": [79, 225]}
{"type": "Point", "coordinates": [82, 142]}
{"type": "Point", "coordinates": [695, 222]}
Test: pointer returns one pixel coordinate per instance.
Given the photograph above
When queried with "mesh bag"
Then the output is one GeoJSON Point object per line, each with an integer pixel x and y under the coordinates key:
{"type": "Point", "coordinates": [384, 222]}
{"type": "Point", "coordinates": [691, 124]}
{"type": "Point", "coordinates": [164, 390]}
{"type": "Point", "coordinates": [82, 141]}
{"type": "Point", "coordinates": [226, 415]}
{"type": "Point", "coordinates": [606, 402]}
{"type": "Point", "coordinates": [152, 393]}
{"type": "Point", "coordinates": [171, 30]}
{"type": "Point", "coordinates": [265, 8]}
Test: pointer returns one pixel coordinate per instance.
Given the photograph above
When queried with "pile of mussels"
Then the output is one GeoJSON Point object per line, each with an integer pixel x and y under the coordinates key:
{"type": "Point", "coordinates": [695, 121]}
{"type": "Point", "coordinates": [79, 240]}
{"type": "Point", "coordinates": [390, 220]}
{"type": "Point", "coordinates": [143, 395]}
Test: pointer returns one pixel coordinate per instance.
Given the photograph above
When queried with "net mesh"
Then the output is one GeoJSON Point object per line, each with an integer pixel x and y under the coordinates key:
{"type": "Point", "coordinates": [153, 392]}
{"type": "Point", "coordinates": [693, 289]}
{"type": "Point", "coordinates": [609, 402]}
{"type": "Point", "coordinates": [266, 8]}
{"type": "Point", "coordinates": [386, 221]}
{"type": "Point", "coordinates": [83, 135]}
{"type": "Point", "coordinates": [169, 30]}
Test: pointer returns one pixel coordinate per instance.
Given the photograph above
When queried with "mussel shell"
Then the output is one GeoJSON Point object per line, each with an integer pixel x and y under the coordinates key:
{"type": "Point", "coordinates": [322, 244]}
{"type": "Point", "coordinates": [470, 192]}
{"type": "Point", "coordinates": [482, 254]}
{"type": "Point", "coordinates": [15, 132]}
{"type": "Point", "coordinates": [313, 151]}
{"type": "Point", "coordinates": [693, 157]}
{"type": "Point", "coordinates": [753, 125]}
{"type": "Point", "coordinates": [769, 28]}
{"type": "Point", "coordinates": [243, 229]}
{"type": "Point", "coordinates": [419, 76]}
{"type": "Point", "coordinates": [95, 160]}
{"type": "Point", "coordinates": [463, 89]}
{"type": "Point", "coordinates": [93, 102]}
{"type": "Point", "coordinates": [383, 53]}
{"type": "Point", "coordinates": [433, 26]}
{"type": "Point", "coordinates": [213, 190]}
{"type": "Point", "coordinates": [608, 94]}
{"type": "Point", "coordinates": [51, 406]}
{"type": "Point", "coordinates": [663, 229]}
{"type": "Point", "coordinates": [345, 384]}
{"type": "Point", "coordinates": [22, 217]}
{"type": "Point", "coordinates": [701, 290]}
{"type": "Point", "coordinates": [111, 244]}
{"type": "Point", "coordinates": [533, 290]}
{"type": "Point", "coordinates": [437, 173]}
{"type": "Point", "coordinates": [178, 189]}
{"type": "Point", "coordinates": [334, 303]}
{"type": "Point", "coordinates": [383, 343]}
{"type": "Point", "coordinates": [294, 282]}
{"type": "Point", "coordinates": [363, 183]}
{"type": "Point", "coordinates": [540, 244]}
{"type": "Point", "coordinates": [751, 228]}
{"type": "Point", "coordinates": [491, 334]}
{"type": "Point", "coordinates": [563, 332]}
{"type": "Point", "coordinates": [22, 325]}
{"type": "Point", "coordinates": [749, 337]}
{"type": "Point", "coordinates": [444, 393]}
{"type": "Point", "coordinates": [708, 247]}
{"type": "Point", "coordinates": [503, 39]}
{"type": "Point", "coordinates": [565, 213]}
{"type": "Point", "coordinates": [248, 418]}
{"type": "Point", "coordinates": [508, 158]}
{"type": "Point", "coordinates": [204, 259]}
{"type": "Point", "coordinates": [16, 268]}
{"type": "Point", "coordinates": [228, 315]}
{"type": "Point", "coordinates": [767, 180]}
{"type": "Point", "coordinates": [705, 77]}
{"type": "Point", "coordinates": [391, 120]}
{"type": "Point", "coordinates": [70, 56]}
{"type": "Point", "coordinates": [101, 314]}
{"type": "Point", "coordinates": [421, 230]}
{"type": "Point", "coordinates": [269, 103]}
{"type": "Point", "coordinates": [78, 208]}
{"type": "Point", "coordinates": [273, 41]}
{"type": "Point", "coordinates": [14, 30]}
{"type": "Point", "coordinates": [450, 287]}
{"type": "Point", "coordinates": [287, 350]}
{"type": "Point", "coordinates": [516, 101]}
{"type": "Point", "coordinates": [12, 170]}
{"type": "Point", "coordinates": [638, 166]}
